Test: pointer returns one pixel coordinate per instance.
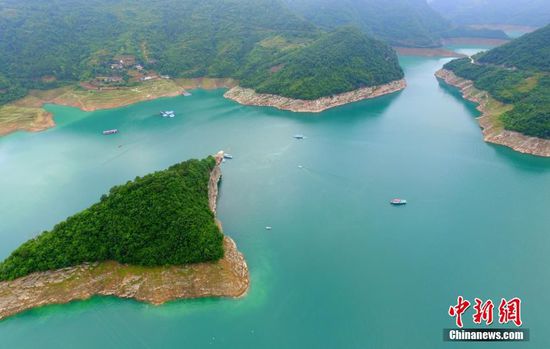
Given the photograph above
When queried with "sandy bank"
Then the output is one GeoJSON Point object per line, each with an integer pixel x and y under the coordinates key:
{"type": "Point", "coordinates": [491, 110]}
{"type": "Point", "coordinates": [248, 96]}
{"type": "Point", "coordinates": [227, 277]}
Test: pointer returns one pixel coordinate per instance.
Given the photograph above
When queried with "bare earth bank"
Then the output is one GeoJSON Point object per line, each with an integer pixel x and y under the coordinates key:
{"type": "Point", "coordinates": [227, 277]}
{"type": "Point", "coordinates": [248, 96]}
{"type": "Point", "coordinates": [493, 131]}
{"type": "Point", "coordinates": [28, 114]}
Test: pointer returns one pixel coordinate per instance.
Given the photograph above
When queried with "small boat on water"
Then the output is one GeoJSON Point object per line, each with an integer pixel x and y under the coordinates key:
{"type": "Point", "coordinates": [167, 114]}
{"type": "Point", "coordinates": [268, 228]}
{"type": "Point", "coordinates": [299, 136]}
{"type": "Point", "coordinates": [227, 156]}
{"type": "Point", "coordinates": [398, 202]}
{"type": "Point", "coordinates": [110, 132]}
{"type": "Point", "coordinates": [186, 94]}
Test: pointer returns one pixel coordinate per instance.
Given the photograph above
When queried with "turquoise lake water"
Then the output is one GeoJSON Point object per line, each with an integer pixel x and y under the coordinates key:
{"type": "Point", "coordinates": [341, 268]}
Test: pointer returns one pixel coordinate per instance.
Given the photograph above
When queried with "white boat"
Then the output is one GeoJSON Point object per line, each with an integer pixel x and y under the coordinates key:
{"type": "Point", "coordinates": [299, 136]}
{"type": "Point", "coordinates": [227, 156]}
{"type": "Point", "coordinates": [110, 132]}
{"type": "Point", "coordinates": [398, 202]}
{"type": "Point", "coordinates": [186, 94]}
{"type": "Point", "coordinates": [268, 228]}
{"type": "Point", "coordinates": [167, 114]}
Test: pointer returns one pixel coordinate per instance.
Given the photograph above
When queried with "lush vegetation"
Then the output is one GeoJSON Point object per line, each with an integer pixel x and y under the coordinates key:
{"type": "Point", "coordinates": [530, 52]}
{"type": "Point", "coordinates": [341, 61]}
{"type": "Point", "coordinates": [517, 77]}
{"type": "Point", "coordinates": [516, 12]}
{"type": "Point", "coordinates": [46, 44]}
{"type": "Point", "coordinates": [159, 219]}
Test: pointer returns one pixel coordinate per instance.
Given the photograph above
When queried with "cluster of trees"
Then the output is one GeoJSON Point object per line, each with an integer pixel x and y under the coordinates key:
{"type": "Point", "coordinates": [159, 219]}
{"type": "Point", "coordinates": [340, 61]}
{"type": "Point", "coordinates": [515, 74]}
{"type": "Point", "coordinates": [530, 52]}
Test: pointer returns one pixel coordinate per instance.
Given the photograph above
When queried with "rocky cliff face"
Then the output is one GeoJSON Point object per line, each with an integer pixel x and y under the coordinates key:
{"type": "Point", "coordinates": [493, 132]}
{"type": "Point", "coordinates": [227, 277]}
{"type": "Point", "coordinates": [248, 96]}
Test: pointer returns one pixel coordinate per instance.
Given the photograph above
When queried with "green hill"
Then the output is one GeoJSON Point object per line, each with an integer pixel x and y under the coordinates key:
{"type": "Point", "coordinates": [517, 73]}
{"type": "Point", "coordinates": [159, 219]}
{"type": "Point", "coordinates": [50, 43]}
{"type": "Point", "coordinates": [530, 52]}
{"type": "Point", "coordinates": [341, 61]}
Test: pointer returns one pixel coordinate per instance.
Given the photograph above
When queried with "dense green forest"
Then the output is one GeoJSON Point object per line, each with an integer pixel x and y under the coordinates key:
{"type": "Point", "coordinates": [516, 12]}
{"type": "Point", "coordinates": [159, 219]}
{"type": "Point", "coordinates": [49, 43]}
{"type": "Point", "coordinates": [531, 52]}
{"type": "Point", "coordinates": [398, 22]}
{"type": "Point", "coordinates": [517, 73]}
{"type": "Point", "coordinates": [338, 62]}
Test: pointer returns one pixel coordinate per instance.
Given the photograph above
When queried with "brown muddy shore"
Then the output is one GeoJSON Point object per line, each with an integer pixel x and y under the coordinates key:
{"type": "Point", "coordinates": [227, 277]}
{"type": "Point", "coordinates": [248, 96]}
{"type": "Point", "coordinates": [489, 121]}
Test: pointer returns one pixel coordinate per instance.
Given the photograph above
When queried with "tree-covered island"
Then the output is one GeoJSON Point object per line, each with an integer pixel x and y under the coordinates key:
{"type": "Point", "coordinates": [154, 239]}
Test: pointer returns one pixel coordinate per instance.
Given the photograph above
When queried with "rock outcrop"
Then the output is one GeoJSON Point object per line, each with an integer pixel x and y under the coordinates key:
{"type": "Point", "coordinates": [248, 96]}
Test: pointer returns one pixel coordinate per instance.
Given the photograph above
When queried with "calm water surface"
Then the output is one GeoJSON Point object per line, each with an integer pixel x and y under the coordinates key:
{"type": "Point", "coordinates": [341, 267]}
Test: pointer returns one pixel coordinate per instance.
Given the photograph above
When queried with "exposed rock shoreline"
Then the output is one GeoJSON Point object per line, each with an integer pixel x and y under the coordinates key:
{"type": "Point", "coordinates": [493, 131]}
{"type": "Point", "coordinates": [248, 96]}
{"type": "Point", "coordinates": [227, 277]}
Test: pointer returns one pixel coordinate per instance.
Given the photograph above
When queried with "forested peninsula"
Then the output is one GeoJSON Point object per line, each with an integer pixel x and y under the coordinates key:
{"type": "Point", "coordinates": [153, 239]}
{"type": "Point", "coordinates": [511, 83]}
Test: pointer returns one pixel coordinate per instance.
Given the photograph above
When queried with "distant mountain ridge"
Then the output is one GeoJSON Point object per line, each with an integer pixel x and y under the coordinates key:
{"type": "Point", "coordinates": [513, 12]}
{"type": "Point", "coordinates": [400, 22]}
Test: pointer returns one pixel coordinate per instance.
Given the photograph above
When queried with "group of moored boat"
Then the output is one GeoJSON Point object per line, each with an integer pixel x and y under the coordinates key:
{"type": "Point", "coordinates": [163, 113]}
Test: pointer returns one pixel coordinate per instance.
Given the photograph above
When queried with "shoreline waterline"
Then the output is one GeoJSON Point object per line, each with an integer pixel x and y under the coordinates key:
{"type": "Point", "coordinates": [247, 96]}
{"type": "Point", "coordinates": [488, 121]}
